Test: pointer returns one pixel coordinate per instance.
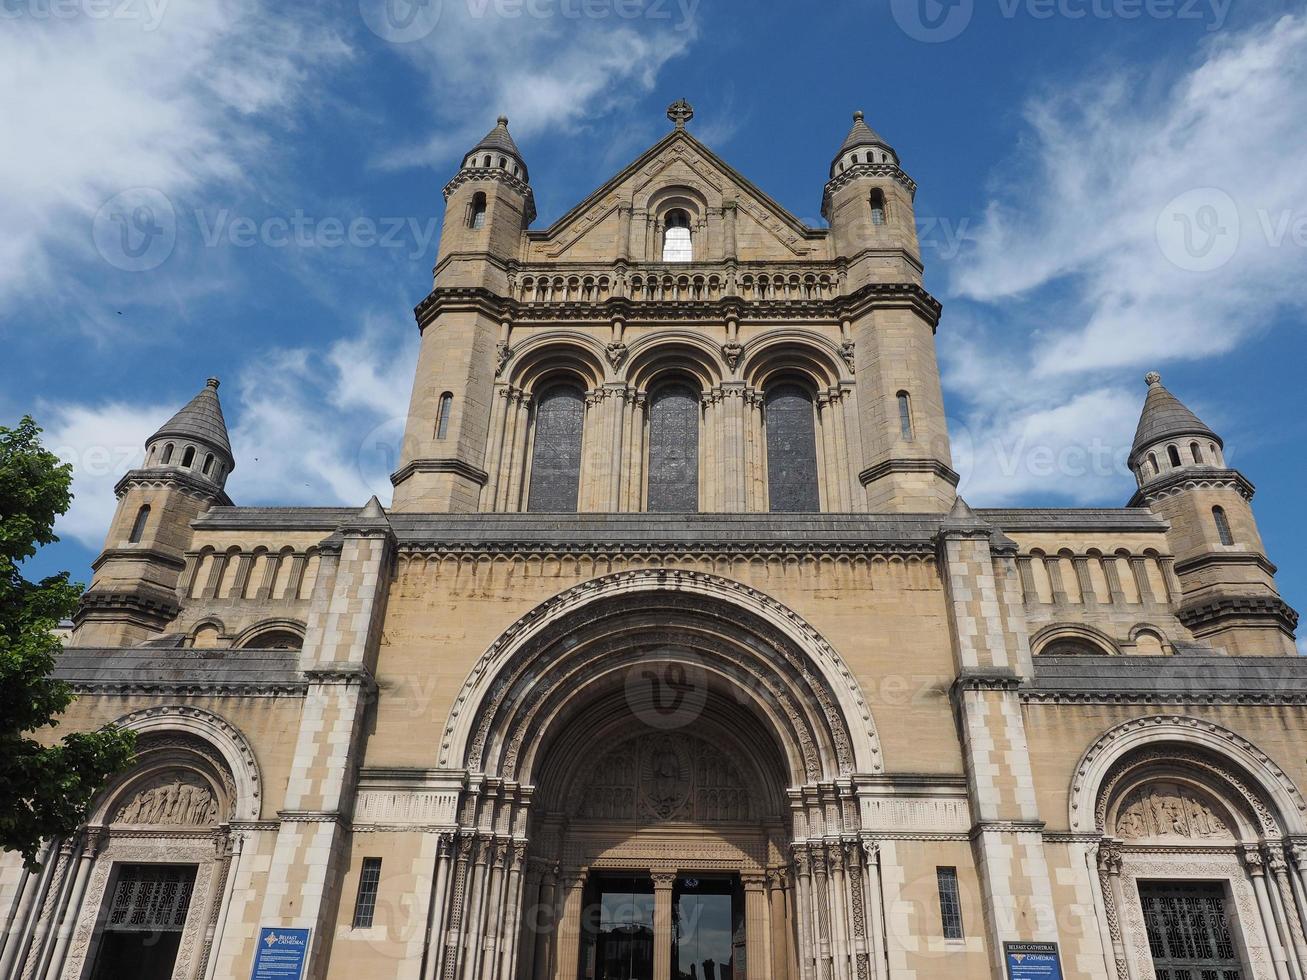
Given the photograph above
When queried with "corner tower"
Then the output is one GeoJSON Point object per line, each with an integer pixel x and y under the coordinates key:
{"type": "Point", "coordinates": [1227, 582]}
{"type": "Point", "coordinates": [133, 593]}
{"type": "Point", "coordinates": [488, 207]}
{"type": "Point", "coordinates": [868, 202]}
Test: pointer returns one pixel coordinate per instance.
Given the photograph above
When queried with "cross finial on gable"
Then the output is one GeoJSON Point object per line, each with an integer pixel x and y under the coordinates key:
{"type": "Point", "coordinates": [680, 112]}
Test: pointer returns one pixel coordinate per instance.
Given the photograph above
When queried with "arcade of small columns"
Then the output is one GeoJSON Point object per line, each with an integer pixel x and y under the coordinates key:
{"type": "Point", "coordinates": [732, 433]}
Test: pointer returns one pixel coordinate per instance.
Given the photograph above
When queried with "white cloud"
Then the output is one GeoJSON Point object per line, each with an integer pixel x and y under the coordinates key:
{"type": "Point", "coordinates": [545, 63]}
{"type": "Point", "coordinates": [1081, 276]}
{"type": "Point", "coordinates": [306, 427]}
{"type": "Point", "coordinates": [174, 98]}
{"type": "Point", "coordinates": [1092, 215]}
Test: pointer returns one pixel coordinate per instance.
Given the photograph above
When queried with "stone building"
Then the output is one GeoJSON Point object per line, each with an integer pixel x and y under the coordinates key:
{"type": "Point", "coordinates": [677, 655]}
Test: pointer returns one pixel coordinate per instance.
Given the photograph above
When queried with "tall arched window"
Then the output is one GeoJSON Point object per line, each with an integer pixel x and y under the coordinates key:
{"type": "Point", "coordinates": [167, 454]}
{"type": "Point", "coordinates": [556, 457]}
{"type": "Point", "coordinates": [1197, 452]}
{"type": "Point", "coordinates": [877, 206]}
{"type": "Point", "coordinates": [208, 463]}
{"type": "Point", "coordinates": [138, 525]}
{"type": "Point", "coordinates": [1152, 461]}
{"type": "Point", "coordinates": [1222, 525]}
{"type": "Point", "coordinates": [477, 219]}
{"type": "Point", "coordinates": [1173, 455]}
{"type": "Point", "coordinates": [677, 246]}
{"type": "Point", "coordinates": [905, 416]}
{"type": "Point", "coordinates": [443, 413]}
{"type": "Point", "coordinates": [791, 450]}
{"type": "Point", "coordinates": [674, 450]}
{"type": "Point", "coordinates": [188, 457]}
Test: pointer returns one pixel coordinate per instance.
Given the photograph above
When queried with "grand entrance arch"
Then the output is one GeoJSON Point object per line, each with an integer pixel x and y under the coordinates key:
{"type": "Point", "coordinates": [660, 786]}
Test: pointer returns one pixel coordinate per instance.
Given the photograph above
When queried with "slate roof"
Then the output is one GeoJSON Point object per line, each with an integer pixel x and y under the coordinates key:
{"type": "Point", "coordinates": [201, 419]}
{"type": "Point", "coordinates": [862, 135]}
{"type": "Point", "coordinates": [1165, 417]}
{"type": "Point", "coordinates": [499, 140]}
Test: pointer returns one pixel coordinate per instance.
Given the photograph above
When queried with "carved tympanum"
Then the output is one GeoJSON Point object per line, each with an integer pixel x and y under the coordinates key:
{"type": "Point", "coordinates": [1161, 810]}
{"type": "Point", "coordinates": [175, 799]}
{"type": "Point", "coordinates": [665, 777]}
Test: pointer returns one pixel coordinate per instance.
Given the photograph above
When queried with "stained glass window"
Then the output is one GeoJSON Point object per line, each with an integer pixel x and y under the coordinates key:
{"type": "Point", "coordinates": [674, 450]}
{"type": "Point", "coordinates": [791, 450]}
{"type": "Point", "coordinates": [556, 459]}
{"type": "Point", "coordinates": [950, 902]}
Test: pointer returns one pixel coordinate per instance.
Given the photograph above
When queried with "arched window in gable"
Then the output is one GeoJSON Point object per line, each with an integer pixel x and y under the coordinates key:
{"type": "Point", "coordinates": [791, 449]}
{"type": "Point", "coordinates": [878, 211]}
{"type": "Point", "coordinates": [556, 455]}
{"type": "Point", "coordinates": [138, 526]}
{"type": "Point", "coordinates": [677, 245]}
{"type": "Point", "coordinates": [1223, 531]}
{"type": "Point", "coordinates": [674, 450]}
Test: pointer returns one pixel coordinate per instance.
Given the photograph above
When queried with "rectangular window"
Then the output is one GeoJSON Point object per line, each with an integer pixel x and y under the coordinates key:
{"type": "Point", "coordinates": [950, 902]}
{"type": "Point", "coordinates": [366, 903]}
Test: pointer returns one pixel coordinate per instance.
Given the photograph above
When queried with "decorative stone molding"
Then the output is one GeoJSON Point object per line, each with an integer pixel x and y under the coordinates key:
{"type": "Point", "coordinates": [1201, 615]}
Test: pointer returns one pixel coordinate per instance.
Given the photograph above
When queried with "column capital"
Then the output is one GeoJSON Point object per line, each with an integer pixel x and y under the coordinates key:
{"type": "Point", "coordinates": [753, 881]}
{"type": "Point", "coordinates": [1254, 861]}
{"type": "Point", "coordinates": [1109, 857]}
{"type": "Point", "coordinates": [663, 879]}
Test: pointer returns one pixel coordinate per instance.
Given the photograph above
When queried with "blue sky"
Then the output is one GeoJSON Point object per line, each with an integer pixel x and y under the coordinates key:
{"type": "Point", "coordinates": [1063, 151]}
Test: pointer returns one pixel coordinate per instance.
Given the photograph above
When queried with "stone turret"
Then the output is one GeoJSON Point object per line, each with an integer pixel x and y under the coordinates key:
{"type": "Point", "coordinates": [1227, 582]}
{"type": "Point", "coordinates": [133, 594]}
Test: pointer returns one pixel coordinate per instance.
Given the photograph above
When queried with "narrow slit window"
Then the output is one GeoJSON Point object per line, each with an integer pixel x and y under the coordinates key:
{"type": "Point", "coordinates": [950, 902]}
{"type": "Point", "coordinates": [442, 414]}
{"type": "Point", "coordinates": [877, 207]}
{"type": "Point", "coordinates": [905, 415]}
{"type": "Point", "coordinates": [1222, 525]}
{"type": "Point", "coordinates": [138, 526]}
{"type": "Point", "coordinates": [365, 905]}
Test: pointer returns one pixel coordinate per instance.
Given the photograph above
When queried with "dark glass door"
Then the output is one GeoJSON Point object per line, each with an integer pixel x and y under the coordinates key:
{"type": "Point", "coordinates": [707, 928]}
{"type": "Point", "coordinates": [1189, 931]}
{"type": "Point", "coordinates": [617, 929]}
{"type": "Point", "coordinates": [143, 922]}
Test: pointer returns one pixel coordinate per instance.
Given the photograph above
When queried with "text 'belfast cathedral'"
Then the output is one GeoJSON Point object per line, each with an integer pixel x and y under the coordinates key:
{"type": "Point", "coordinates": [677, 656]}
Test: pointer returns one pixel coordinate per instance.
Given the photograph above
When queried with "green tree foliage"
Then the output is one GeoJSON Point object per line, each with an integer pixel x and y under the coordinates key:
{"type": "Point", "coordinates": [45, 788]}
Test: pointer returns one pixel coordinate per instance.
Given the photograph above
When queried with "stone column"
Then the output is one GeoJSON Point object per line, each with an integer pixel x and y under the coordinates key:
{"type": "Point", "coordinates": [757, 930]}
{"type": "Point", "coordinates": [435, 946]}
{"type": "Point", "coordinates": [1028, 589]}
{"type": "Point", "coordinates": [802, 911]}
{"type": "Point", "coordinates": [512, 928]}
{"type": "Point", "coordinates": [1282, 899]}
{"type": "Point", "coordinates": [839, 906]}
{"type": "Point", "coordinates": [68, 923]}
{"type": "Point", "coordinates": [1087, 594]}
{"type": "Point", "coordinates": [568, 928]}
{"type": "Point", "coordinates": [548, 901]}
{"type": "Point", "coordinates": [778, 923]}
{"type": "Point", "coordinates": [1112, 571]}
{"type": "Point", "coordinates": [1140, 572]}
{"type": "Point", "coordinates": [1109, 872]}
{"type": "Point", "coordinates": [662, 924]}
{"type": "Point", "coordinates": [1254, 863]}
{"type": "Point", "coordinates": [495, 916]}
{"type": "Point", "coordinates": [879, 941]}
{"type": "Point", "coordinates": [477, 886]}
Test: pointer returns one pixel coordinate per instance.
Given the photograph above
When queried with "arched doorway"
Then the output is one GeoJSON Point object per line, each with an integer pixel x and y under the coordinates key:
{"type": "Point", "coordinates": [660, 787]}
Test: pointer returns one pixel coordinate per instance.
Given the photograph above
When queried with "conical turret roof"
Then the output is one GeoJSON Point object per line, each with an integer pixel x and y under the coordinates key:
{"type": "Point", "coordinates": [201, 419]}
{"type": "Point", "coordinates": [1166, 417]}
{"type": "Point", "coordinates": [862, 135]}
{"type": "Point", "coordinates": [499, 140]}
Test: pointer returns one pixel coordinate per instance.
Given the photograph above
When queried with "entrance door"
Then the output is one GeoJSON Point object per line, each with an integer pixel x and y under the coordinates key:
{"type": "Point", "coordinates": [707, 928]}
{"type": "Point", "coordinates": [618, 928]}
{"type": "Point", "coordinates": [143, 922]}
{"type": "Point", "coordinates": [1189, 932]}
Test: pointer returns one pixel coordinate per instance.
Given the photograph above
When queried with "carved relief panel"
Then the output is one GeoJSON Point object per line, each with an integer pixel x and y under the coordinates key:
{"type": "Point", "coordinates": [665, 777]}
{"type": "Point", "coordinates": [176, 798]}
{"type": "Point", "coordinates": [1163, 810]}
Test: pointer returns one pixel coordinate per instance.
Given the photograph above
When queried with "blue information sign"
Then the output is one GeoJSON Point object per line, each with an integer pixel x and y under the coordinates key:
{"type": "Point", "coordinates": [281, 954]}
{"type": "Point", "coordinates": [1032, 961]}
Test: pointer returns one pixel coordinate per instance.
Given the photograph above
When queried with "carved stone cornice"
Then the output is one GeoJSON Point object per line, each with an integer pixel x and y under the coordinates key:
{"type": "Point", "coordinates": [1198, 478]}
{"type": "Point", "coordinates": [481, 175]}
{"type": "Point", "coordinates": [1213, 612]}
{"type": "Point", "coordinates": [891, 466]}
{"type": "Point", "coordinates": [861, 170]}
{"type": "Point", "coordinates": [455, 466]}
{"type": "Point", "coordinates": [148, 606]}
{"type": "Point", "coordinates": [781, 549]}
{"type": "Point", "coordinates": [155, 556]}
{"type": "Point", "coordinates": [986, 679]}
{"type": "Point", "coordinates": [1225, 558]}
{"type": "Point", "coordinates": [169, 477]}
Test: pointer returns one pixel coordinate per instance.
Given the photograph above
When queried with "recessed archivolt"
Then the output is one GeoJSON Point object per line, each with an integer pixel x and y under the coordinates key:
{"type": "Point", "coordinates": [680, 354]}
{"type": "Point", "coordinates": [231, 753]}
{"type": "Point", "coordinates": [790, 352]}
{"type": "Point", "coordinates": [1094, 640]}
{"type": "Point", "coordinates": [587, 639]}
{"type": "Point", "coordinates": [1229, 763]}
{"type": "Point", "coordinates": [546, 358]}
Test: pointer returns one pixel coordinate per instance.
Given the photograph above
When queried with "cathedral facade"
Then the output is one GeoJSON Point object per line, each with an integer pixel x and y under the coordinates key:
{"type": "Point", "coordinates": [676, 655]}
